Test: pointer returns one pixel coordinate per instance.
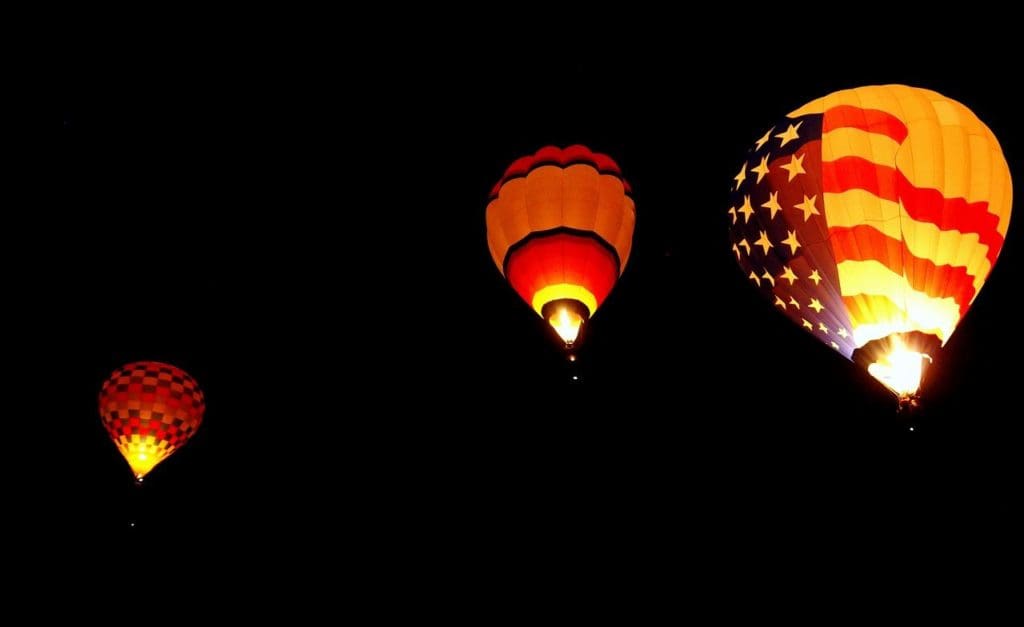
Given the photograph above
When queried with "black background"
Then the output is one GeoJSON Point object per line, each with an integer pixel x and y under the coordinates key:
{"type": "Point", "coordinates": [300, 227]}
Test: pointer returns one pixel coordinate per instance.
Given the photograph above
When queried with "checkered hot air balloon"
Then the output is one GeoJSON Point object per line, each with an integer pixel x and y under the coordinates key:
{"type": "Point", "coordinates": [871, 218]}
{"type": "Point", "coordinates": [559, 228]}
{"type": "Point", "coordinates": [150, 409]}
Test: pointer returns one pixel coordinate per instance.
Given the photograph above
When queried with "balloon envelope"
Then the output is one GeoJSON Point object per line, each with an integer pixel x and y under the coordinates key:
{"type": "Point", "coordinates": [871, 218]}
{"type": "Point", "coordinates": [560, 228]}
{"type": "Point", "coordinates": [150, 409]}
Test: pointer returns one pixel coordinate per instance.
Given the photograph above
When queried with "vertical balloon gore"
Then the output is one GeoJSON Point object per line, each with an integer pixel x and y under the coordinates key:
{"type": "Point", "coordinates": [149, 410]}
{"type": "Point", "coordinates": [871, 218]}
{"type": "Point", "coordinates": [560, 228]}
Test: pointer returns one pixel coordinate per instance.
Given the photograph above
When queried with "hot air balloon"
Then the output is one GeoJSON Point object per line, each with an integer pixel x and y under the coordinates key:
{"type": "Point", "coordinates": [871, 218]}
{"type": "Point", "coordinates": [559, 228]}
{"type": "Point", "coordinates": [150, 409]}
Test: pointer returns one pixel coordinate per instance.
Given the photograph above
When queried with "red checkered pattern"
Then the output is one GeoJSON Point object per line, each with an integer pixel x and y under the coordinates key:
{"type": "Point", "coordinates": [152, 404]}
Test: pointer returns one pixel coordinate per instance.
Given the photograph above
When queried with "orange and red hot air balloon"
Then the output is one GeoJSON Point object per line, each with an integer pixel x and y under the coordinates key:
{"type": "Point", "coordinates": [871, 218]}
{"type": "Point", "coordinates": [150, 409]}
{"type": "Point", "coordinates": [559, 228]}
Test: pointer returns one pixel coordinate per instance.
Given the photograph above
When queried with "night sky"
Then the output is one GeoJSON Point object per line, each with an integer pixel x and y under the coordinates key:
{"type": "Point", "coordinates": [307, 240]}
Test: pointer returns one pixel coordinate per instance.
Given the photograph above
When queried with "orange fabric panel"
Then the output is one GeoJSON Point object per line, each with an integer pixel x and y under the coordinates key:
{"type": "Point", "coordinates": [544, 198]}
{"type": "Point", "coordinates": [576, 197]}
{"type": "Point", "coordinates": [582, 193]}
{"type": "Point", "coordinates": [611, 209]}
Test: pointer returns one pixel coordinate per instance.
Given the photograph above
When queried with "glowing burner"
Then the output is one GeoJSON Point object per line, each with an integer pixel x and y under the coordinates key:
{"type": "Point", "coordinates": [566, 316]}
{"type": "Point", "coordinates": [900, 370]}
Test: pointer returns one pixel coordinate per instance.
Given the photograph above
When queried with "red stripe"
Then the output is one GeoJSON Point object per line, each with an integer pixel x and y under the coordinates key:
{"type": "Point", "coordinates": [866, 243]}
{"type": "Point", "coordinates": [870, 120]}
{"type": "Point", "coordinates": [922, 204]}
{"type": "Point", "coordinates": [576, 153]}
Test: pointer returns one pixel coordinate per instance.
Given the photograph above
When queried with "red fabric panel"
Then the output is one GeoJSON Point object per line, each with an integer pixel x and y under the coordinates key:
{"type": "Point", "coordinates": [576, 153]}
{"type": "Point", "coordinates": [870, 120]}
{"type": "Point", "coordinates": [922, 204]}
{"type": "Point", "coordinates": [864, 243]}
{"type": "Point", "coordinates": [562, 258]}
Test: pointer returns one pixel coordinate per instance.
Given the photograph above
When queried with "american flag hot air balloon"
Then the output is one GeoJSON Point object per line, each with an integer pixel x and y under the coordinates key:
{"type": "Point", "coordinates": [560, 228]}
{"type": "Point", "coordinates": [871, 218]}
